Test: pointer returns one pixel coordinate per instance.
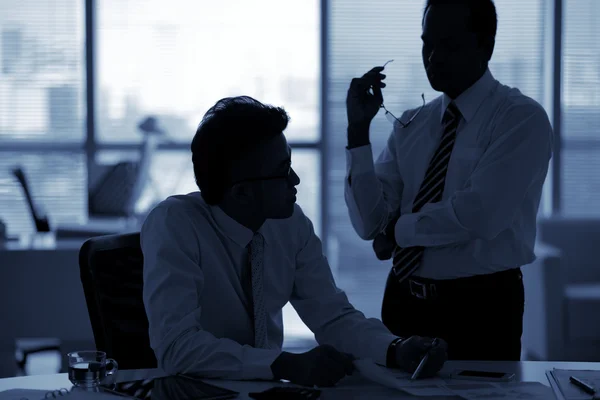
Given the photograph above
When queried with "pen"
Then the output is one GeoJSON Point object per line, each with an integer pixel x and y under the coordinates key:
{"type": "Point", "coordinates": [421, 365]}
{"type": "Point", "coordinates": [589, 389]}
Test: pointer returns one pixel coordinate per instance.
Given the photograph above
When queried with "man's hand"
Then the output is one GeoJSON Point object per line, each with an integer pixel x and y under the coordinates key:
{"type": "Point", "coordinates": [410, 352]}
{"type": "Point", "coordinates": [384, 246]}
{"type": "Point", "coordinates": [321, 366]}
{"type": "Point", "coordinates": [385, 242]}
{"type": "Point", "coordinates": [363, 101]}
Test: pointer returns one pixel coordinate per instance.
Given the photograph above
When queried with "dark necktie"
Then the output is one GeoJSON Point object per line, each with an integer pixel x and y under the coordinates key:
{"type": "Point", "coordinates": [260, 315]}
{"type": "Point", "coordinates": [407, 260]}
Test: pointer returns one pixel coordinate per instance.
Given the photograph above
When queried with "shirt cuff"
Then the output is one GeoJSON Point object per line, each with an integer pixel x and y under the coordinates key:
{"type": "Point", "coordinates": [380, 348]}
{"type": "Point", "coordinates": [257, 363]}
{"type": "Point", "coordinates": [405, 229]}
{"type": "Point", "coordinates": [359, 160]}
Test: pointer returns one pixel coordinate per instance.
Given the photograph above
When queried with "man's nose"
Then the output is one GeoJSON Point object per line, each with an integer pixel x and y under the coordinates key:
{"type": "Point", "coordinates": [433, 56]}
{"type": "Point", "coordinates": [438, 56]}
{"type": "Point", "coordinates": [294, 178]}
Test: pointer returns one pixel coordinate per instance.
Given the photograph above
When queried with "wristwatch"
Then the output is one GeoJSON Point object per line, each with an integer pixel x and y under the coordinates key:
{"type": "Point", "coordinates": [390, 360]}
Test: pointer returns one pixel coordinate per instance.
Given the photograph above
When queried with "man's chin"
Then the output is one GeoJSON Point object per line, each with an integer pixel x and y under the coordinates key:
{"type": "Point", "coordinates": [436, 85]}
{"type": "Point", "coordinates": [286, 212]}
{"type": "Point", "coordinates": [436, 82]}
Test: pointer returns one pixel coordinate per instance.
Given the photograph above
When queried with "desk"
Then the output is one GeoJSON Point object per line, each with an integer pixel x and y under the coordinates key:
{"type": "Point", "coordinates": [532, 371]}
{"type": "Point", "coordinates": [41, 295]}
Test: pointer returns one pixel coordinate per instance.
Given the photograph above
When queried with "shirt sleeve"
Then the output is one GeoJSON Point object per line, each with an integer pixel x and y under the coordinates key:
{"type": "Point", "coordinates": [325, 308]}
{"type": "Point", "coordinates": [372, 190]}
{"type": "Point", "coordinates": [509, 169]}
{"type": "Point", "coordinates": [173, 285]}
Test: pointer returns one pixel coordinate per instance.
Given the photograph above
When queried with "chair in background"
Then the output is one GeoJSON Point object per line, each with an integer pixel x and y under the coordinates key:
{"type": "Point", "coordinates": [111, 274]}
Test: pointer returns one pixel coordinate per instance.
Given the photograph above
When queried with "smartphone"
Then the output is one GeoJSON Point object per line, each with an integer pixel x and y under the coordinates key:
{"type": "Point", "coordinates": [482, 375]}
{"type": "Point", "coordinates": [287, 393]}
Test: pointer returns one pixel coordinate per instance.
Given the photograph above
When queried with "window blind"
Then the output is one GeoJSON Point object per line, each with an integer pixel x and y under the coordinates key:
{"type": "Point", "coordinates": [42, 100]}
{"type": "Point", "coordinates": [365, 34]}
{"type": "Point", "coordinates": [57, 181]}
{"type": "Point", "coordinates": [41, 70]}
{"type": "Point", "coordinates": [580, 175]}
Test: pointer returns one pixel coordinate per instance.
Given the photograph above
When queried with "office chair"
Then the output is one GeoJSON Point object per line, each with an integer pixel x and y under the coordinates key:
{"type": "Point", "coordinates": [111, 274]}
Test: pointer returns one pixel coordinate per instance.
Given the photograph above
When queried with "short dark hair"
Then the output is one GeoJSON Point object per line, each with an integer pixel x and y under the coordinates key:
{"type": "Point", "coordinates": [484, 20]}
{"type": "Point", "coordinates": [229, 129]}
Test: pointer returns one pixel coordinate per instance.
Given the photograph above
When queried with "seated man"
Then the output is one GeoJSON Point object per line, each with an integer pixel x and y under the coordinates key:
{"type": "Point", "coordinates": [220, 264]}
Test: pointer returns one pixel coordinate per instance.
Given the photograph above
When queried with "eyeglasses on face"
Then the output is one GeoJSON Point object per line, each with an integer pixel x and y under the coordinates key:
{"type": "Point", "coordinates": [285, 175]}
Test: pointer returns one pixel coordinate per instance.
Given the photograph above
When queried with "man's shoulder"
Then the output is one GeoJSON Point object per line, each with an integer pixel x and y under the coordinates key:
{"type": "Point", "coordinates": [179, 208]}
{"type": "Point", "coordinates": [512, 100]}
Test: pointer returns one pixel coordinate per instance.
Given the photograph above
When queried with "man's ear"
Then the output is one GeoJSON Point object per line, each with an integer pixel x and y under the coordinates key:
{"type": "Point", "coordinates": [489, 45]}
{"type": "Point", "coordinates": [241, 192]}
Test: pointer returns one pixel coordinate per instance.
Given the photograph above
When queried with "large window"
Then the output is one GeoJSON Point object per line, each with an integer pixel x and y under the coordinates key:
{"type": "Point", "coordinates": [365, 34]}
{"type": "Point", "coordinates": [42, 102]}
{"type": "Point", "coordinates": [174, 62]}
{"type": "Point", "coordinates": [580, 173]}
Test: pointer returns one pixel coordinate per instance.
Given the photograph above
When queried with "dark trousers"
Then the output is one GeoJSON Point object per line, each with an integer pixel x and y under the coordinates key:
{"type": "Point", "coordinates": [480, 317]}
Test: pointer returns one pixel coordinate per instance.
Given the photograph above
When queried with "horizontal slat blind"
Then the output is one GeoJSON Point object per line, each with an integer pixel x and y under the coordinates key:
{"type": "Point", "coordinates": [581, 109]}
{"type": "Point", "coordinates": [41, 70]}
{"type": "Point", "coordinates": [58, 182]}
{"type": "Point", "coordinates": [42, 100]}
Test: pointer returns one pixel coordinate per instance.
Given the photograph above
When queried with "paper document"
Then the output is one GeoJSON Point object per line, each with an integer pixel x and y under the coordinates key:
{"type": "Point", "coordinates": [501, 391]}
{"type": "Point", "coordinates": [431, 387]}
{"type": "Point", "coordinates": [401, 380]}
{"type": "Point", "coordinates": [564, 390]}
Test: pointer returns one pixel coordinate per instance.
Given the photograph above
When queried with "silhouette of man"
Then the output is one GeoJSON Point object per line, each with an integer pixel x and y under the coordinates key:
{"type": "Point", "coordinates": [220, 264]}
{"type": "Point", "coordinates": [453, 197]}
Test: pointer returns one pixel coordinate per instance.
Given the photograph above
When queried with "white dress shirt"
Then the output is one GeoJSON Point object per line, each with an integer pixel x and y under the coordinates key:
{"type": "Point", "coordinates": [196, 293]}
{"type": "Point", "coordinates": [486, 221]}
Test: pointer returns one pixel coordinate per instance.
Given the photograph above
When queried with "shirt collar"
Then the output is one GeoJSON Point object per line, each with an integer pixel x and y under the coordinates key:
{"type": "Point", "coordinates": [231, 228]}
{"type": "Point", "coordinates": [469, 101]}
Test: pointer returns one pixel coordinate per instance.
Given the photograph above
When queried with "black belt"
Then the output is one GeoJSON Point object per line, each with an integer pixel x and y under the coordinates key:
{"type": "Point", "coordinates": [428, 289]}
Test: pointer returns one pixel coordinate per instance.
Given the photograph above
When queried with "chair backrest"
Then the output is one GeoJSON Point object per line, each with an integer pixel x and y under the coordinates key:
{"type": "Point", "coordinates": [111, 270]}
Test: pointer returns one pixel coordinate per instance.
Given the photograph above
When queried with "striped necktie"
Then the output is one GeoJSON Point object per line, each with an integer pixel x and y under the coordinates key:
{"type": "Point", "coordinates": [260, 315]}
{"type": "Point", "coordinates": [407, 260]}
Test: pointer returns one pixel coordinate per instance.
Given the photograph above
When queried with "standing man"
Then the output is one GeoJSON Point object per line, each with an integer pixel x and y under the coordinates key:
{"type": "Point", "coordinates": [453, 197]}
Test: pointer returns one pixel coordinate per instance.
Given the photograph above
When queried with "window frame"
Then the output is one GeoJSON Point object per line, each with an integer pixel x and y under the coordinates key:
{"type": "Point", "coordinates": [90, 145]}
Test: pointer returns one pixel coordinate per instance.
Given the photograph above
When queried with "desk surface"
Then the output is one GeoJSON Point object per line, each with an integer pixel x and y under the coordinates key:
{"type": "Point", "coordinates": [531, 371]}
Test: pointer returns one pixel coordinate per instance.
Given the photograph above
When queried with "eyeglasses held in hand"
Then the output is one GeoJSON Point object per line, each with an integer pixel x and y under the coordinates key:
{"type": "Point", "coordinates": [392, 118]}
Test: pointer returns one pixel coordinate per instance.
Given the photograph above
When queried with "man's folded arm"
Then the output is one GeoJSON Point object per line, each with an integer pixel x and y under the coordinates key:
{"type": "Point", "coordinates": [173, 285]}
{"type": "Point", "coordinates": [494, 193]}
{"type": "Point", "coordinates": [325, 308]}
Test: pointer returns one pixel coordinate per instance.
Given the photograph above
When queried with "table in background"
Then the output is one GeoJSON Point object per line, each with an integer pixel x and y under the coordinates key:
{"type": "Point", "coordinates": [532, 371]}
